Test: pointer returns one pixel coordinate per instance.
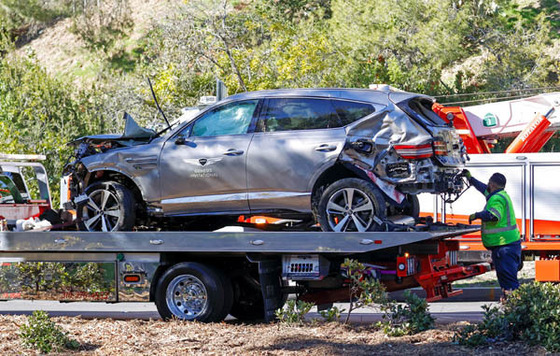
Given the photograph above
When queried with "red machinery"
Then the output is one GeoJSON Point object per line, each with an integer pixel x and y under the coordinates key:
{"type": "Point", "coordinates": [481, 126]}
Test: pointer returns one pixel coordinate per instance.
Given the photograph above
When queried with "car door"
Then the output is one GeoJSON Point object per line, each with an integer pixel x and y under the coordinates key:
{"type": "Point", "coordinates": [202, 169]}
{"type": "Point", "coordinates": [295, 139]}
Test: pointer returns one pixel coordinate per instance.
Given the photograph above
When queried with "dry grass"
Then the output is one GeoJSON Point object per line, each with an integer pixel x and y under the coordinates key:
{"type": "Point", "coordinates": [136, 337]}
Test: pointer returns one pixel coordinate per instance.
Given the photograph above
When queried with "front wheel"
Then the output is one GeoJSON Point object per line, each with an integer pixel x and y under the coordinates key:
{"type": "Point", "coordinates": [351, 204]}
{"type": "Point", "coordinates": [110, 207]}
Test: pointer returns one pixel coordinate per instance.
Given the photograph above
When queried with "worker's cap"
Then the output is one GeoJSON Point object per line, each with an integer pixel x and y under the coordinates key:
{"type": "Point", "coordinates": [499, 179]}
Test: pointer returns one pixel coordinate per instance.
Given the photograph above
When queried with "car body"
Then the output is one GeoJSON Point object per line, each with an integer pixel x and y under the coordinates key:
{"type": "Point", "coordinates": [274, 152]}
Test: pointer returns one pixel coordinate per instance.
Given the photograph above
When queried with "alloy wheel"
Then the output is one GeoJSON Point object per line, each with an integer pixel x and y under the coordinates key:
{"type": "Point", "coordinates": [102, 211]}
{"type": "Point", "coordinates": [350, 209]}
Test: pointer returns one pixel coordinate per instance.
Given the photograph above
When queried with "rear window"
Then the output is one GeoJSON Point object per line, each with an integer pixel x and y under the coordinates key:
{"type": "Point", "coordinates": [422, 110]}
{"type": "Point", "coordinates": [349, 111]}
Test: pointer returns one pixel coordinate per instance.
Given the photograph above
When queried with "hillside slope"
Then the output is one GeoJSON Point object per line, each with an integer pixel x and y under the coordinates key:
{"type": "Point", "coordinates": [63, 52]}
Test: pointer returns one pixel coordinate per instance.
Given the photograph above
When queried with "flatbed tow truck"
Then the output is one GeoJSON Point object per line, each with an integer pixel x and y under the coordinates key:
{"type": "Point", "coordinates": [205, 276]}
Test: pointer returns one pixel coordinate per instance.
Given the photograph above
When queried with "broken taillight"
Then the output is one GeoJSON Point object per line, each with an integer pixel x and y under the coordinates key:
{"type": "Point", "coordinates": [440, 148]}
{"type": "Point", "coordinates": [414, 151]}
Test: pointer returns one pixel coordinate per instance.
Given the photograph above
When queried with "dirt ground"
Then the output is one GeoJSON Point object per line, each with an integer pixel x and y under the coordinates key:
{"type": "Point", "coordinates": [119, 337]}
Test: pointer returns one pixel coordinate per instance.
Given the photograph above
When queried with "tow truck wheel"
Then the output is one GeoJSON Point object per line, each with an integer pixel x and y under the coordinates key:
{"type": "Point", "coordinates": [110, 207]}
{"type": "Point", "coordinates": [351, 204]}
{"type": "Point", "coordinates": [193, 291]}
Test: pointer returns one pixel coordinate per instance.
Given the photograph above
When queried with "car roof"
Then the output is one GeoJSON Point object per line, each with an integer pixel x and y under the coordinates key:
{"type": "Point", "coordinates": [367, 95]}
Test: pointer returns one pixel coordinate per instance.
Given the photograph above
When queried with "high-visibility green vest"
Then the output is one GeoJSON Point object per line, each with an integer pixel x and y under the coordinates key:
{"type": "Point", "coordinates": [504, 231]}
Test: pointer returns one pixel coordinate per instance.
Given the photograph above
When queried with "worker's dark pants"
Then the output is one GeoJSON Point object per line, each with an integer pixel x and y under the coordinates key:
{"type": "Point", "coordinates": [507, 260]}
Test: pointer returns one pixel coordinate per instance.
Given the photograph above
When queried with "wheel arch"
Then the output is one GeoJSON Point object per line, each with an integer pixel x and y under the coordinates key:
{"type": "Point", "coordinates": [101, 175]}
{"type": "Point", "coordinates": [327, 177]}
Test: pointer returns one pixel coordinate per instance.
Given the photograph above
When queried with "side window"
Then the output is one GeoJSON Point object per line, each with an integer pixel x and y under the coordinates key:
{"type": "Point", "coordinates": [349, 111]}
{"type": "Point", "coordinates": [230, 119]}
{"type": "Point", "coordinates": [298, 114]}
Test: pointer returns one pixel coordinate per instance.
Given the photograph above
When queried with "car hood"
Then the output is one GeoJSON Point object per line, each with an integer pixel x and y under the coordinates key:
{"type": "Point", "coordinates": [133, 135]}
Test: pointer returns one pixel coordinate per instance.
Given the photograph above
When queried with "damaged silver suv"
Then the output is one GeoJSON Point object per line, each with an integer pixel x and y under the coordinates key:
{"type": "Point", "coordinates": [346, 158]}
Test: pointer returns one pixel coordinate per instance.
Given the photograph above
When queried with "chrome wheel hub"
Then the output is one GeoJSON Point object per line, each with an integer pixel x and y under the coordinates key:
{"type": "Point", "coordinates": [186, 297]}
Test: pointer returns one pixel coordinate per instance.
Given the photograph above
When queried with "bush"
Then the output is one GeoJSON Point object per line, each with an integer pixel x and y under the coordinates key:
{"type": "Point", "coordinates": [331, 314]}
{"type": "Point", "coordinates": [411, 318]}
{"type": "Point", "coordinates": [43, 334]}
{"type": "Point", "coordinates": [530, 314]}
{"type": "Point", "coordinates": [294, 312]}
{"type": "Point", "coordinates": [39, 114]}
{"type": "Point", "coordinates": [364, 289]}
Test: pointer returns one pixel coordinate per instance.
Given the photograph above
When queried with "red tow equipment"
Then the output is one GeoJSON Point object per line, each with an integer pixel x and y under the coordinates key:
{"type": "Point", "coordinates": [464, 129]}
{"type": "Point", "coordinates": [533, 137]}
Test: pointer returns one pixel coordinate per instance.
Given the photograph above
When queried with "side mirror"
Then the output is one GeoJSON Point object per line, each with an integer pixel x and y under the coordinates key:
{"type": "Point", "coordinates": [180, 141]}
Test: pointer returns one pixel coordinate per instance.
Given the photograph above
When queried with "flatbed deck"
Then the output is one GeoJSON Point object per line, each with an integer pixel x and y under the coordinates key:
{"type": "Point", "coordinates": [217, 242]}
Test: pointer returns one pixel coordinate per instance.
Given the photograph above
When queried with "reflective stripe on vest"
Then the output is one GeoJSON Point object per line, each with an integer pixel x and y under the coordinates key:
{"type": "Point", "coordinates": [500, 229]}
{"type": "Point", "coordinates": [497, 213]}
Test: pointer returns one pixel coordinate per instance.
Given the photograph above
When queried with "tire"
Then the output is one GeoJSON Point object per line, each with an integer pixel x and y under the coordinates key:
{"type": "Point", "coordinates": [193, 291]}
{"type": "Point", "coordinates": [339, 203]}
{"type": "Point", "coordinates": [411, 208]}
{"type": "Point", "coordinates": [110, 207]}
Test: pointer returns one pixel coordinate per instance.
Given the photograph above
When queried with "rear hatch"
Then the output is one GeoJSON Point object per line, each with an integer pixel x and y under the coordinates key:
{"type": "Point", "coordinates": [447, 144]}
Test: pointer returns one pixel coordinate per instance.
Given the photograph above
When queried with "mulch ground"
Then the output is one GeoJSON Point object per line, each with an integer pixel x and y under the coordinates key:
{"type": "Point", "coordinates": [138, 337]}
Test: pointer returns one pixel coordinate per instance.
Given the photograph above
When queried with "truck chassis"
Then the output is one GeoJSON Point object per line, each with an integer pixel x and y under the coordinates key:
{"type": "Point", "coordinates": [205, 276]}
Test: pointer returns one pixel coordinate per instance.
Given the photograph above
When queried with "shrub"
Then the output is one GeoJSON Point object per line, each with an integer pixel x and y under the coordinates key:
{"type": "Point", "coordinates": [43, 334]}
{"type": "Point", "coordinates": [411, 318]}
{"type": "Point", "coordinates": [294, 312]}
{"type": "Point", "coordinates": [39, 114]}
{"type": "Point", "coordinates": [530, 314]}
{"type": "Point", "coordinates": [331, 314]}
{"type": "Point", "coordinates": [365, 290]}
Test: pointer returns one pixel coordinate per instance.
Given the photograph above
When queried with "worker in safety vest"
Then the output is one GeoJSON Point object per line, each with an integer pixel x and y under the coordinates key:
{"type": "Point", "coordinates": [499, 229]}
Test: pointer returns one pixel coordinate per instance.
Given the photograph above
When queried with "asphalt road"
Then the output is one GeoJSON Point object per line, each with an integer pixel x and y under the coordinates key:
{"type": "Point", "coordinates": [443, 312]}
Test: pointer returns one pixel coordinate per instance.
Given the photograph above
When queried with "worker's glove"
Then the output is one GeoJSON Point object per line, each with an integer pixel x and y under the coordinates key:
{"type": "Point", "coordinates": [466, 173]}
{"type": "Point", "coordinates": [471, 218]}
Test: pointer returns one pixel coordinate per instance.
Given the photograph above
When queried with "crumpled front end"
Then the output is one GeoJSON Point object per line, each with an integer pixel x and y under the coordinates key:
{"type": "Point", "coordinates": [394, 150]}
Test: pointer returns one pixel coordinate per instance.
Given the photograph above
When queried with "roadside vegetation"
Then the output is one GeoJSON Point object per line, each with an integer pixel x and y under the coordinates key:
{"type": "Point", "coordinates": [365, 291]}
{"type": "Point", "coordinates": [70, 68]}
{"type": "Point", "coordinates": [43, 334]}
{"type": "Point", "coordinates": [528, 323]}
{"type": "Point", "coordinates": [531, 314]}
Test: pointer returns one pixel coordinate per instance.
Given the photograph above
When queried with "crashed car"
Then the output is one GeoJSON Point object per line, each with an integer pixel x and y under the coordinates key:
{"type": "Point", "coordinates": [346, 158]}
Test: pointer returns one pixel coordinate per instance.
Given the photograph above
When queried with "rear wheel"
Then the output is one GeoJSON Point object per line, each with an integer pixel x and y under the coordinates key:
{"type": "Point", "coordinates": [351, 204]}
{"type": "Point", "coordinates": [410, 207]}
{"type": "Point", "coordinates": [193, 291]}
{"type": "Point", "coordinates": [110, 207]}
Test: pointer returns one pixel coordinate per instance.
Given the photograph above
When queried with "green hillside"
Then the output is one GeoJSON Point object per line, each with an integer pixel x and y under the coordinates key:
{"type": "Point", "coordinates": [69, 68]}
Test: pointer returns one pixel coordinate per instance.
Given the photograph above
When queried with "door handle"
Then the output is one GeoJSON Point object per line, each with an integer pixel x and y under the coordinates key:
{"type": "Point", "coordinates": [325, 148]}
{"type": "Point", "coordinates": [233, 152]}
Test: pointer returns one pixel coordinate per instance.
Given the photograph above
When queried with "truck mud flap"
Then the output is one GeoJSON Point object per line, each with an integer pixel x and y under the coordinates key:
{"type": "Point", "coordinates": [269, 271]}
